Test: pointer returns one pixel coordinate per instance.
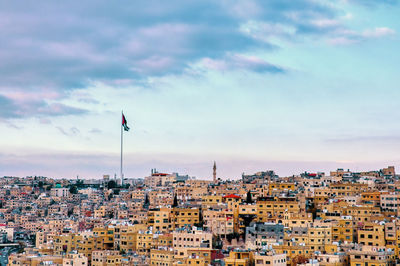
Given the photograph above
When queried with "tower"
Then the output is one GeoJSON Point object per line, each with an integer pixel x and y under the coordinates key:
{"type": "Point", "coordinates": [215, 173]}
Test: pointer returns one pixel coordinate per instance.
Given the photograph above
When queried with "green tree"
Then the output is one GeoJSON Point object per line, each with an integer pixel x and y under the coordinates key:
{"type": "Point", "coordinates": [111, 184]}
{"type": "Point", "coordinates": [73, 189]}
{"type": "Point", "coordinates": [249, 200]}
{"type": "Point", "coordinates": [312, 209]}
{"type": "Point", "coordinates": [217, 242]}
{"type": "Point", "coordinates": [201, 221]}
{"type": "Point", "coordinates": [175, 204]}
{"type": "Point", "coordinates": [79, 183]}
{"type": "Point", "coordinates": [146, 202]}
{"type": "Point", "coordinates": [229, 237]}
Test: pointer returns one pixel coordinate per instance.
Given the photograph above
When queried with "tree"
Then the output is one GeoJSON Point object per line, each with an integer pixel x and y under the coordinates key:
{"type": "Point", "coordinates": [236, 235]}
{"type": "Point", "coordinates": [247, 219]}
{"type": "Point", "coordinates": [175, 204]}
{"type": "Point", "coordinates": [299, 259]}
{"type": "Point", "coordinates": [312, 209]}
{"type": "Point", "coordinates": [111, 184]}
{"type": "Point", "coordinates": [217, 242]}
{"type": "Point", "coordinates": [146, 202]}
{"type": "Point", "coordinates": [73, 189]}
{"type": "Point", "coordinates": [229, 237]}
{"type": "Point", "coordinates": [21, 246]}
{"type": "Point", "coordinates": [201, 221]}
{"type": "Point", "coordinates": [79, 183]}
{"type": "Point", "coordinates": [248, 198]}
{"type": "Point", "coordinates": [201, 215]}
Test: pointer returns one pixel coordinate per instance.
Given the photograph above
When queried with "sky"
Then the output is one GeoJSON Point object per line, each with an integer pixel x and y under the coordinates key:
{"type": "Point", "coordinates": [292, 86]}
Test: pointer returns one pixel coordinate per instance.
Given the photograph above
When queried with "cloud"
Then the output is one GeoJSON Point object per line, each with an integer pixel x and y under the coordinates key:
{"type": "Point", "coordinates": [73, 131]}
{"type": "Point", "coordinates": [326, 23]}
{"type": "Point", "coordinates": [44, 121]}
{"type": "Point", "coordinates": [266, 32]}
{"type": "Point", "coordinates": [346, 37]}
{"type": "Point", "coordinates": [378, 32]}
{"type": "Point", "coordinates": [354, 139]}
{"type": "Point", "coordinates": [7, 108]}
{"type": "Point", "coordinates": [90, 165]}
{"type": "Point", "coordinates": [125, 41]}
{"type": "Point", "coordinates": [47, 49]}
{"type": "Point", "coordinates": [241, 62]}
{"type": "Point", "coordinates": [95, 131]}
{"type": "Point", "coordinates": [14, 109]}
{"type": "Point", "coordinates": [373, 3]}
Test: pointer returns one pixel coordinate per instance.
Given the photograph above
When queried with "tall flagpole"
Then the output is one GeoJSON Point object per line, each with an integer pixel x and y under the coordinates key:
{"type": "Point", "coordinates": [122, 134]}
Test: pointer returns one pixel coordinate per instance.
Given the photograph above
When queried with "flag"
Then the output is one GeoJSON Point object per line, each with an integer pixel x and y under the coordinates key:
{"type": "Point", "coordinates": [125, 123]}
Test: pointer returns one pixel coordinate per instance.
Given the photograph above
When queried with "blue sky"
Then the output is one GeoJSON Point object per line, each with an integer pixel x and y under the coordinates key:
{"type": "Point", "coordinates": [255, 85]}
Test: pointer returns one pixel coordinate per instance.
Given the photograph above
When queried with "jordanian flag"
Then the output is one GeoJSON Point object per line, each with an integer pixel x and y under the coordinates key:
{"type": "Point", "coordinates": [125, 123]}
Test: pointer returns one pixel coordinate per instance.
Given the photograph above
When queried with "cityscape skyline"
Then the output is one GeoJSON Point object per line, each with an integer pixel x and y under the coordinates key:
{"type": "Point", "coordinates": [254, 85]}
{"type": "Point", "coordinates": [200, 132]}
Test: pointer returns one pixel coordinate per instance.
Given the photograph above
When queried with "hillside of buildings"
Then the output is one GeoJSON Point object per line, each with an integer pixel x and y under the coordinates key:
{"type": "Point", "coordinates": [340, 218]}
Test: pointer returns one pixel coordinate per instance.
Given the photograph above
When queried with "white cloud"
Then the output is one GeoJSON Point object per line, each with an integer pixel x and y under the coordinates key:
{"type": "Point", "coordinates": [347, 37]}
{"type": "Point", "coordinates": [378, 32]}
{"type": "Point", "coordinates": [326, 23]}
{"type": "Point", "coordinates": [239, 61]}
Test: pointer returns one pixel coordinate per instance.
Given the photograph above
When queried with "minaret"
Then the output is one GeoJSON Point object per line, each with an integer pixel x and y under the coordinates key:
{"type": "Point", "coordinates": [215, 173]}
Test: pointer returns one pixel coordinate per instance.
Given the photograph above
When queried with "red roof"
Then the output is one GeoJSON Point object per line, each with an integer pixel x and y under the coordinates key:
{"type": "Point", "coordinates": [232, 196]}
{"type": "Point", "coordinates": [159, 174]}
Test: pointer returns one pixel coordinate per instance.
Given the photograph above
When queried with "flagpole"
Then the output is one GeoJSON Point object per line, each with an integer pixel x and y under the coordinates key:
{"type": "Point", "coordinates": [122, 134]}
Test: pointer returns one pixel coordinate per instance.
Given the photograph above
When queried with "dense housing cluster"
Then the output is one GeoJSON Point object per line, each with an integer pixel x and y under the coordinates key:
{"type": "Point", "coordinates": [344, 218]}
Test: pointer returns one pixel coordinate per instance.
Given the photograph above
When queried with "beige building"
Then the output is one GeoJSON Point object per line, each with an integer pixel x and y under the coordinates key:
{"type": "Point", "coordinates": [60, 192]}
{"type": "Point", "coordinates": [371, 234]}
{"type": "Point", "coordinates": [270, 259]}
{"type": "Point", "coordinates": [390, 202]}
{"type": "Point", "coordinates": [239, 258]}
{"type": "Point", "coordinates": [162, 257]}
{"type": "Point", "coordinates": [218, 221]}
{"type": "Point", "coordinates": [33, 260]}
{"type": "Point", "coordinates": [368, 255]}
{"type": "Point", "coordinates": [104, 257]}
{"type": "Point", "coordinates": [185, 239]}
{"type": "Point", "coordinates": [75, 259]}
